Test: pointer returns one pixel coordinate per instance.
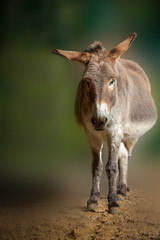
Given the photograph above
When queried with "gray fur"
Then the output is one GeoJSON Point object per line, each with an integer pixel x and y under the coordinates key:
{"type": "Point", "coordinates": [117, 90]}
{"type": "Point", "coordinates": [131, 105]}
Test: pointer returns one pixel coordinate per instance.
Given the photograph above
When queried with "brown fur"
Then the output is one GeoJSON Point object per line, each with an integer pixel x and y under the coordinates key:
{"type": "Point", "coordinates": [72, 55]}
{"type": "Point", "coordinates": [121, 48]}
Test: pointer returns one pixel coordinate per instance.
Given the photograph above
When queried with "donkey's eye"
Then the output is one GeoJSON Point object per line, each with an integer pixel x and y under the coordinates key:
{"type": "Point", "coordinates": [111, 83]}
{"type": "Point", "coordinates": [86, 83]}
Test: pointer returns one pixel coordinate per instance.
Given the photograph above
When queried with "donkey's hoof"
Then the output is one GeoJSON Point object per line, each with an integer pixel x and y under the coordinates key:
{"type": "Point", "coordinates": [92, 206]}
{"type": "Point", "coordinates": [122, 190]}
{"type": "Point", "coordinates": [113, 207]}
{"type": "Point", "coordinates": [113, 210]}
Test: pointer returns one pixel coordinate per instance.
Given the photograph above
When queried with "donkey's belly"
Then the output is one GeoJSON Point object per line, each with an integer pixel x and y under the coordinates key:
{"type": "Point", "coordinates": [136, 129]}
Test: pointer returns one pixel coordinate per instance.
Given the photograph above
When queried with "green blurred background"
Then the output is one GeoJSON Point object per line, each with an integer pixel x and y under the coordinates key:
{"type": "Point", "coordinates": [38, 127]}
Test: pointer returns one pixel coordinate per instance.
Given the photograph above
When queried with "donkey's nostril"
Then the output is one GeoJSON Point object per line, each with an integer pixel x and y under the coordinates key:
{"type": "Point", "coordinates": [104, 120]}
{"type": "Point", "coordinates": [93, 120]}
{"type": "Point", "coordinates": [99, 122]}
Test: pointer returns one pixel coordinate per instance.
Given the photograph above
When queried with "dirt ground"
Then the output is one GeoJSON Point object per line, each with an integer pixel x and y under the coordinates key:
{"type": "Point", "coordinates": [138, 217]}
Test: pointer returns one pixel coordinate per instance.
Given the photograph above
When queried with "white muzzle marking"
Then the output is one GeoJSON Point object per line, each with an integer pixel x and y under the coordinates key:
{"type": "Point", "coordinates": [101, 110]}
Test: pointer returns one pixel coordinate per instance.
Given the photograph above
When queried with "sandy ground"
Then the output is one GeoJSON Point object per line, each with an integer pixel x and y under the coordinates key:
{"type": "Point", "coordinates": [138, 218]}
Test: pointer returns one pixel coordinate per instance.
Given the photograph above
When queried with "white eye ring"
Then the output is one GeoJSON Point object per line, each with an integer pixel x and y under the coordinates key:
{"type": "Point", "coordinates": [111, 83]}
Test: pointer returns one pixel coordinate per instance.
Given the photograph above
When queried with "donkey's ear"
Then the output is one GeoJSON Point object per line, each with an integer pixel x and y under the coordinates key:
{"type": "Point", "coordinates": [72, 55]}
{"type": "Point", "coordinates": [121, 48]}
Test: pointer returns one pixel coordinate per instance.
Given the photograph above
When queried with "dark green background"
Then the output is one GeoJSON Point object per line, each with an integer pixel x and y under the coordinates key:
{"type": "Point", "coordinates": [38, 128]}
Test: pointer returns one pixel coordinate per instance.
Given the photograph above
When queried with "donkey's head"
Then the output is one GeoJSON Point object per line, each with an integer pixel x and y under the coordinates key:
{"type": "Point", "coordinates": [99, 81]}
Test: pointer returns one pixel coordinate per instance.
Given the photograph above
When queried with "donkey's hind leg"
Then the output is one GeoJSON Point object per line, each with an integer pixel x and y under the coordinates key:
{"type": "Point", "coordinates": [123, 169]}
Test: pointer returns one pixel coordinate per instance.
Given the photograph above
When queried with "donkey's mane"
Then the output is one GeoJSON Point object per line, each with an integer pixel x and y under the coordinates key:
{"type": "Point", "coordinates": [95, 47]}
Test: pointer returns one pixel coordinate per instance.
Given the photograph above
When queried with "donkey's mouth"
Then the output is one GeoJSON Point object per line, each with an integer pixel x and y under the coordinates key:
{"type": "Point", "coordinates": [99, 129]}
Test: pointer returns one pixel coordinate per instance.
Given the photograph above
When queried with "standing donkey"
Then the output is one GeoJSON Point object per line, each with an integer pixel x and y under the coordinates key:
{"type": "Point", "coordinates": [113, 104]}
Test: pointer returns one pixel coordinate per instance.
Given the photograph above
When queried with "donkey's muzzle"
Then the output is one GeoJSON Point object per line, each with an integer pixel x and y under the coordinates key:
{"type": "Point", "coordinates": [99, 123]}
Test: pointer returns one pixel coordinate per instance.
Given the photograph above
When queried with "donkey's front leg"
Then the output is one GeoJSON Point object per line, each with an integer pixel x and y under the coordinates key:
{"type": "Point", "coordinates": [97, 168]}
{"type": "Point", "coordinates": [112, 172]}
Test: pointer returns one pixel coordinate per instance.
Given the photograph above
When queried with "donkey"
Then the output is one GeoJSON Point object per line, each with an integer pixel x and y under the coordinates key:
{"type": "Point", "coordinates": [113, 104]}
